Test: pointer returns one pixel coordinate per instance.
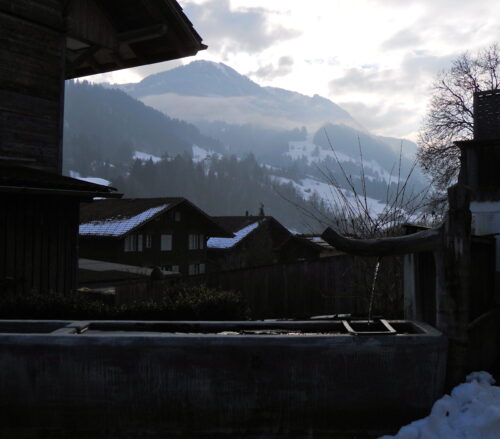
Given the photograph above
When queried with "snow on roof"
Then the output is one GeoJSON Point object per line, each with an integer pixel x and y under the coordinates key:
{"type": "Point", "coordinates": [118, 226]}
{"type": "Point", "coordinates": [471, 411]}
{"type": "Point", "coordinates": [96, 180]}
{"type": "Point", "coordinates": [230, 242]}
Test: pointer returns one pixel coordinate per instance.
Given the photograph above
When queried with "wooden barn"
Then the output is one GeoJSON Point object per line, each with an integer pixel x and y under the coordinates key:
{"type": "Point", "coordinates": [169, 233]}
{"type": "Point", "coordinates": [42, 43]}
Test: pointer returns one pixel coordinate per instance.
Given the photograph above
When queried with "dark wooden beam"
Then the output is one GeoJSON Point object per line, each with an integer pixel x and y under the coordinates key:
{"type": "Point", "coordinates": [145, 33]}
{"type": "Point", "coordinates": [85, 55]}
{"type": "Point", "coordinates": [427, 240]}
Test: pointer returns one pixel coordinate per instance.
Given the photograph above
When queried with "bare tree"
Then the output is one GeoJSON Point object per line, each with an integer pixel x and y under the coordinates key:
{"type": "Point", "coordinates": [450, 114]}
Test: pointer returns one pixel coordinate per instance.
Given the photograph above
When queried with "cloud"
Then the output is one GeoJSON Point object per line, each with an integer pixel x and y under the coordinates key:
{"type": "Point", "coordinates": [227, 30]}
{"type": "Point", "coordinates": [416, 70]}
{"type": "Point", "coordinates": [270, 71]}
{"type": "Point", "coordinates": [403, 39]}
{"type": "Point", "coordinates": [390, 119]}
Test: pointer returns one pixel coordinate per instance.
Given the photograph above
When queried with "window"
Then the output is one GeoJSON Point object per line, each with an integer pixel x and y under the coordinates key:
{"type": "Point", "coordinates": [196, 269]}
{"type": "Point", "coordinates": [196, 241]}
{"type": "Point", "coordinates": [177, 216]}
{"type": "Point", "coordinates": [139, 243]}
{"type": "Point", "coordinates": [130, 243]}
{"type": "Point", "coordinates": [166, 243]}
{"type": "Point", "coordinates": [175, 268]}
{"type": "Point", "coordinates": [148, 241]}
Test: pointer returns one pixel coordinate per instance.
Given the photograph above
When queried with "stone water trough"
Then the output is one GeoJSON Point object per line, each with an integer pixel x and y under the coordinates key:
{"type": "Point", "coordinates": [315, 378]}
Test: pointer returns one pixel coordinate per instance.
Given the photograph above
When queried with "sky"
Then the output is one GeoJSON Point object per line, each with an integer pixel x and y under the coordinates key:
{"type": "Point", "coordinates": [375, 58]}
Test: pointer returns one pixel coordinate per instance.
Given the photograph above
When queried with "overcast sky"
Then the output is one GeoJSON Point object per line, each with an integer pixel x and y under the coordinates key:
{"type": "Point", "coordinates": [375, 58]}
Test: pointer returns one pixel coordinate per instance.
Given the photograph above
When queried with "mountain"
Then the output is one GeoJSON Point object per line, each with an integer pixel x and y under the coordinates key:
{"type": "Point", "coordinates": [111, 138]}
{"type": "Point", "coordinates": [282, 128]}
{"type": "Point", "coordinates": [237, 144]}
{"type": "Point", "coordinates": [107, 125]}
{"type": "Point", "coordinates": [208, 91]}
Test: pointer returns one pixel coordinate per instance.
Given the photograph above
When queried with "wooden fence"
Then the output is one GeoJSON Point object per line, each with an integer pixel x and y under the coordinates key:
{"type": "Point", "coordinates": [338, 284]}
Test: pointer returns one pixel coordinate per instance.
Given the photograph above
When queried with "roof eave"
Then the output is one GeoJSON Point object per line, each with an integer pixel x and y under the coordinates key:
{"type": "Point", "coordinates": [55, 191]}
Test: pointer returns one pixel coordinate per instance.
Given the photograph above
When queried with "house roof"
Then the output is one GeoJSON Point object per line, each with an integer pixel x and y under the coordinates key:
{"type": "Point", "coordinates": [235, 223]}
{"type": "Point", "coordinates": [117, 218]}
{"type": "Point", "coordinates": [15, 178]}
{"type": "Point", "coordinates": [239, 235]}
{"type": "Point", "coordinates": [243, 226]}
{"type": "Point", "coordinates": [312, 241]}
{"type": "Point", "coordinates": [106, 35]}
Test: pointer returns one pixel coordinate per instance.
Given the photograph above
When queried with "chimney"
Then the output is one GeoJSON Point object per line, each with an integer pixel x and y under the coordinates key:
{"type": "Point", "coordinates": [480, 156]}
{"type": "Point", "coordinates": [487, 115]}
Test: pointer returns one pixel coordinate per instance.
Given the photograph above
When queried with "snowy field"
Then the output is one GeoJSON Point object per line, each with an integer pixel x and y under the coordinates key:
{"type": "Point", "coordinates": [331, 197]}
{"type": "Point", "coordinates": [201, 154]}
{"type": "Point", "coordinates": [472, 411]}
{"type": "Point", "coordinates": [144, 156]}
{"type": "Point", "coordinates": [315, 154]}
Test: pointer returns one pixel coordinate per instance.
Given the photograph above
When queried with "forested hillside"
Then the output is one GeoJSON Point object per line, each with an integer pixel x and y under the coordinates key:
{"type": "Point", "coordinates": [105, 128]}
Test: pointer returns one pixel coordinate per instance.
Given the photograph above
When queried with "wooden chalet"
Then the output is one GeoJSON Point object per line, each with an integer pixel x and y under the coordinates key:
{"type": "Point", "coordinates": [169, 233]}
{"type": "Point", "coordinates": [256, 242]}
{"type": "Point", "coordinates": [42, 43]}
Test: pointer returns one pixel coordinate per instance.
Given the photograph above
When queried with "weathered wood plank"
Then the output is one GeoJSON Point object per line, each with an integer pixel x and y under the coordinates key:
{"type": "Point", "coordinates": [426, 240]}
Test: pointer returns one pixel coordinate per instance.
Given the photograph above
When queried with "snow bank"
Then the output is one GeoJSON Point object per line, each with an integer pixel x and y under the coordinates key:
{"type": "Point", "coordinates": [472, 411]}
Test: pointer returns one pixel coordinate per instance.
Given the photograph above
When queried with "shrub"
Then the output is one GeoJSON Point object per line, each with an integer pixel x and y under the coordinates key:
{"type": "Point", "coordinates": [178, 303]}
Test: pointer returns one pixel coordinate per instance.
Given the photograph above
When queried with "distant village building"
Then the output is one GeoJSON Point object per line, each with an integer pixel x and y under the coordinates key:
{"type": "Point", "coordinates": [306, 247]}
{"type": "Point", "coordinates": [42, 43]}
{"type": "Point", "coordinates": [256, 241]}
{"type": "Point", "coordinates": [170, 233]}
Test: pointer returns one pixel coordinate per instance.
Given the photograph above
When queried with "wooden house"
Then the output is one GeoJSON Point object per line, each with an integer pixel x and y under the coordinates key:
{"type": "Point", "coordinates": [170, 233]}
{"type": "Point", "coordinates": [256, 242]}
{"type": "Point", "coordinates": [42, 43]}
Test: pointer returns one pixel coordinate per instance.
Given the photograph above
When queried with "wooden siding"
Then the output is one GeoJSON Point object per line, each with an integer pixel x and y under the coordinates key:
{"type": "Point", "coordinates": [112, 249]}
{"type": "Point", "coordinates": [48, 13]}
{"type": "Point", "coordinates": [38, 243]}
{"type": "Point", "coordinates": [32, 77]}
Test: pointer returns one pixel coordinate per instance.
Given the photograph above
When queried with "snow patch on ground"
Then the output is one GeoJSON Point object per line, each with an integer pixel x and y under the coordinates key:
{"type": "Point", "coordinates": [144, 156]}
{"type": "Point", "coordinates": [315, 154]}
{"type": "Point", "coordinates": [201, 154]}
{"type": "Point", "coordinates": [330, 196]}
{"type": "Point", "coordinates": [472, 411]}
{"type": "Point", "coordinates": [230, 242]}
